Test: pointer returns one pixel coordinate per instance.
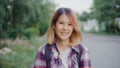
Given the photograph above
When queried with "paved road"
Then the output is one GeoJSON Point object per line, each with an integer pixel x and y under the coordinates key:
{"type": "Point", "coordinates": [104, 50]}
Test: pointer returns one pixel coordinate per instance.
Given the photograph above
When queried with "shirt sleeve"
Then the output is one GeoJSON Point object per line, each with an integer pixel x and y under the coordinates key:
{"type": "Point", "coordinates": [40, 61]}
{"type": "Point", "coordinates": [85, 59]}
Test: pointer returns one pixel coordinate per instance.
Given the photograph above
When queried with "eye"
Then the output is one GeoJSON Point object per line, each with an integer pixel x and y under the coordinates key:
{"type": "Point", "coordinates": [60, 22]}
{"type": "Point", "coordinates": [69, 24]}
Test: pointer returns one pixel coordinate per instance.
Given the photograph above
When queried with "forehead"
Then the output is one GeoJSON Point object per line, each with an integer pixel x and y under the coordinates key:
{"type": "Point", "coordinates": [64, 17]}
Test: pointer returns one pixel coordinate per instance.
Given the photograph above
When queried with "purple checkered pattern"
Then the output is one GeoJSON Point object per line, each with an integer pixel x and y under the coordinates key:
{"type": "Point", "coordinates": [40, 61]}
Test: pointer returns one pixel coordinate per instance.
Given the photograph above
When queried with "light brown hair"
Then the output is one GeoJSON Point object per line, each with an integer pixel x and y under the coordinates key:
{"type": "Point", "coordinates": [76, 34]}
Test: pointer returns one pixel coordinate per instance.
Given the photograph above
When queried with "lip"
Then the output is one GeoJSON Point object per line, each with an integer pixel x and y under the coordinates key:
{"type": "Point", "coordinates": [64, 33]}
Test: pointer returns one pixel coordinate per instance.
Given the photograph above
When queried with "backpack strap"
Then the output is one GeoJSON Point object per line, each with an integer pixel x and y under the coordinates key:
{"type": "Point", "coordinates": [79, 56]}
{"type": "Point", "coordinates": [47, 55]}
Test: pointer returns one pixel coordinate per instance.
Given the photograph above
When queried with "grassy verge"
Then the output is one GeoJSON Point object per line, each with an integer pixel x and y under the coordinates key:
{"type": "Point", "coordinates": [22, 57]}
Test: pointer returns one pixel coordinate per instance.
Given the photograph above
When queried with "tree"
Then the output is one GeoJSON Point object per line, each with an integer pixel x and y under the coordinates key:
{"type": "Point", "coordinates": [105, 11]}
{"type": "Point", "coordinates": [21, 17]}
{"type": "Point", "coordinates": [84, 16]}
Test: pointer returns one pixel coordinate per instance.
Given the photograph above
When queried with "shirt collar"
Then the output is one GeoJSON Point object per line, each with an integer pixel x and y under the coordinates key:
{"type": "Point", "coordinates": [54, 48]}
{"type": "Point", "coordinates": [75, 48]}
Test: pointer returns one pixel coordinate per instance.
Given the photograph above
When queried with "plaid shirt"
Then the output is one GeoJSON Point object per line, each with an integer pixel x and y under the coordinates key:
{"type": "Point", "coordinates": [40, 61]}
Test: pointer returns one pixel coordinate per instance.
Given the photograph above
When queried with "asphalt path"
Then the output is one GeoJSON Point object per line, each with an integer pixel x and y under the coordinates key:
{"type": "Point", "coordinates": [104, 50]}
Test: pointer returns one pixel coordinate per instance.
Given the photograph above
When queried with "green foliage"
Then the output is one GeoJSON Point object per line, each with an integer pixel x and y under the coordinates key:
{"type": "Point", "coordinates": [84, 16]}
{"type": "Point", "coordinates": [22, 57]}
{"type": "Point", "coordinates": [30, 32]}
{"type": "Point", "coordinates": [17, 16]}
{"type": "Point", "coordinates": [113, 28]}
{"type": "Point", "coordinates": [106, 12]}
{"type": "Point", "coordinates": [117, 8]}
{"type": "Point", "coordinates": [43, 28]}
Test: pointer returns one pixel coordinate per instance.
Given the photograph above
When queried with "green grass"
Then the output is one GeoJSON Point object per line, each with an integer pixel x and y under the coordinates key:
{"type": "Point", "coordinates": [23, 56]}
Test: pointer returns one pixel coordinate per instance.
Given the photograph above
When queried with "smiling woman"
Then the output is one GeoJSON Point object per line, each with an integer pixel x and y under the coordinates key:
{"type": "Point", "coordinates": [67, 20]}
{"type": "Point", "coordinates": [63, 28]}
{"type": "Point", "coordinates": [63, 49]}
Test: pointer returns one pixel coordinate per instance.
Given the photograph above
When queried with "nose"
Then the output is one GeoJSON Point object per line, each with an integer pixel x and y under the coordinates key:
{"type": "Point", "coordinates": [65, 27]}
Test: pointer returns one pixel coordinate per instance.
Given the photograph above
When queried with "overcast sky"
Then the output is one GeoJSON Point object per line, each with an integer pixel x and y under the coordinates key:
{"type": "Point", "coordinates": [77, 5]}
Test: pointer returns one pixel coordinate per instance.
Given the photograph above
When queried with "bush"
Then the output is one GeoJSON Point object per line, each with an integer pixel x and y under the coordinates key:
{"type": "Point", "coordinates": [30, 32]}
{"type": "Point", "coordinates": [23, 56]}
{"type": "Point", "coordinates": [43, 27]}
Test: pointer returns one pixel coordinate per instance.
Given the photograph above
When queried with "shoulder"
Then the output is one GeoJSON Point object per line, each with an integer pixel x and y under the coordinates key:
{"type": "Point", "coordinates": [85, 53]}
{"type": "Point", "coordinates": [85, 57]}
{"type": "Point", "coordinates": [84, 48]}
{"type": "Point", "coordinates": [80, 48]}
{"type": "Point", "coordinates": [42, 48]}
{"type": "Point", "coordinates": [40, 61]}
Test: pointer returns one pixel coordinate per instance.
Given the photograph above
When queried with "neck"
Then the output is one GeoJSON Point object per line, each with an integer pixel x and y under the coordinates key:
{"type": "Point", "coordinates": [62, 45]}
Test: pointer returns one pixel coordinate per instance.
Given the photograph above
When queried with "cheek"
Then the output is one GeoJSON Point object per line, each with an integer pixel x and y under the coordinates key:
{"type": "Point", "coordinates": [71, 29]}
{"type": "Point", "coordinates": [58, 27]}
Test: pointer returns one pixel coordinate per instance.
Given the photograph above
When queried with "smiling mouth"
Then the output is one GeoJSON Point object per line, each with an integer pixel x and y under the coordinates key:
{"type": "Point", "coordinates": [64, 33]}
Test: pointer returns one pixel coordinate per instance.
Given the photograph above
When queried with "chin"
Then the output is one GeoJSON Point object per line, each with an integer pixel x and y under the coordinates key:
{"type": "Point", "coordinates": [64, 38]}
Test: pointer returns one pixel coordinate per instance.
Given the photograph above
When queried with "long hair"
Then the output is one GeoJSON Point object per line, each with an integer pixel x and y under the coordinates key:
{"type": "Point", "coordinates": [76, 37]}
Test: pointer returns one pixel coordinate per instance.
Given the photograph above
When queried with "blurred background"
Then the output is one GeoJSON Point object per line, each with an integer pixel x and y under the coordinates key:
{"type": "Point", "coordinates": [23, 24]}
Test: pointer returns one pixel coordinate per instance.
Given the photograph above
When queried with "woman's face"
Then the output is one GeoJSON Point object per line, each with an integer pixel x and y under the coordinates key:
{"type": "Point", "coordinates": [63, 28]}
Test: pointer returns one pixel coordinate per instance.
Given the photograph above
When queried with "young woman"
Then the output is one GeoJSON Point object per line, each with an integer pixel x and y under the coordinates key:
{"type": "Point", "coordinates": [64, 39]}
